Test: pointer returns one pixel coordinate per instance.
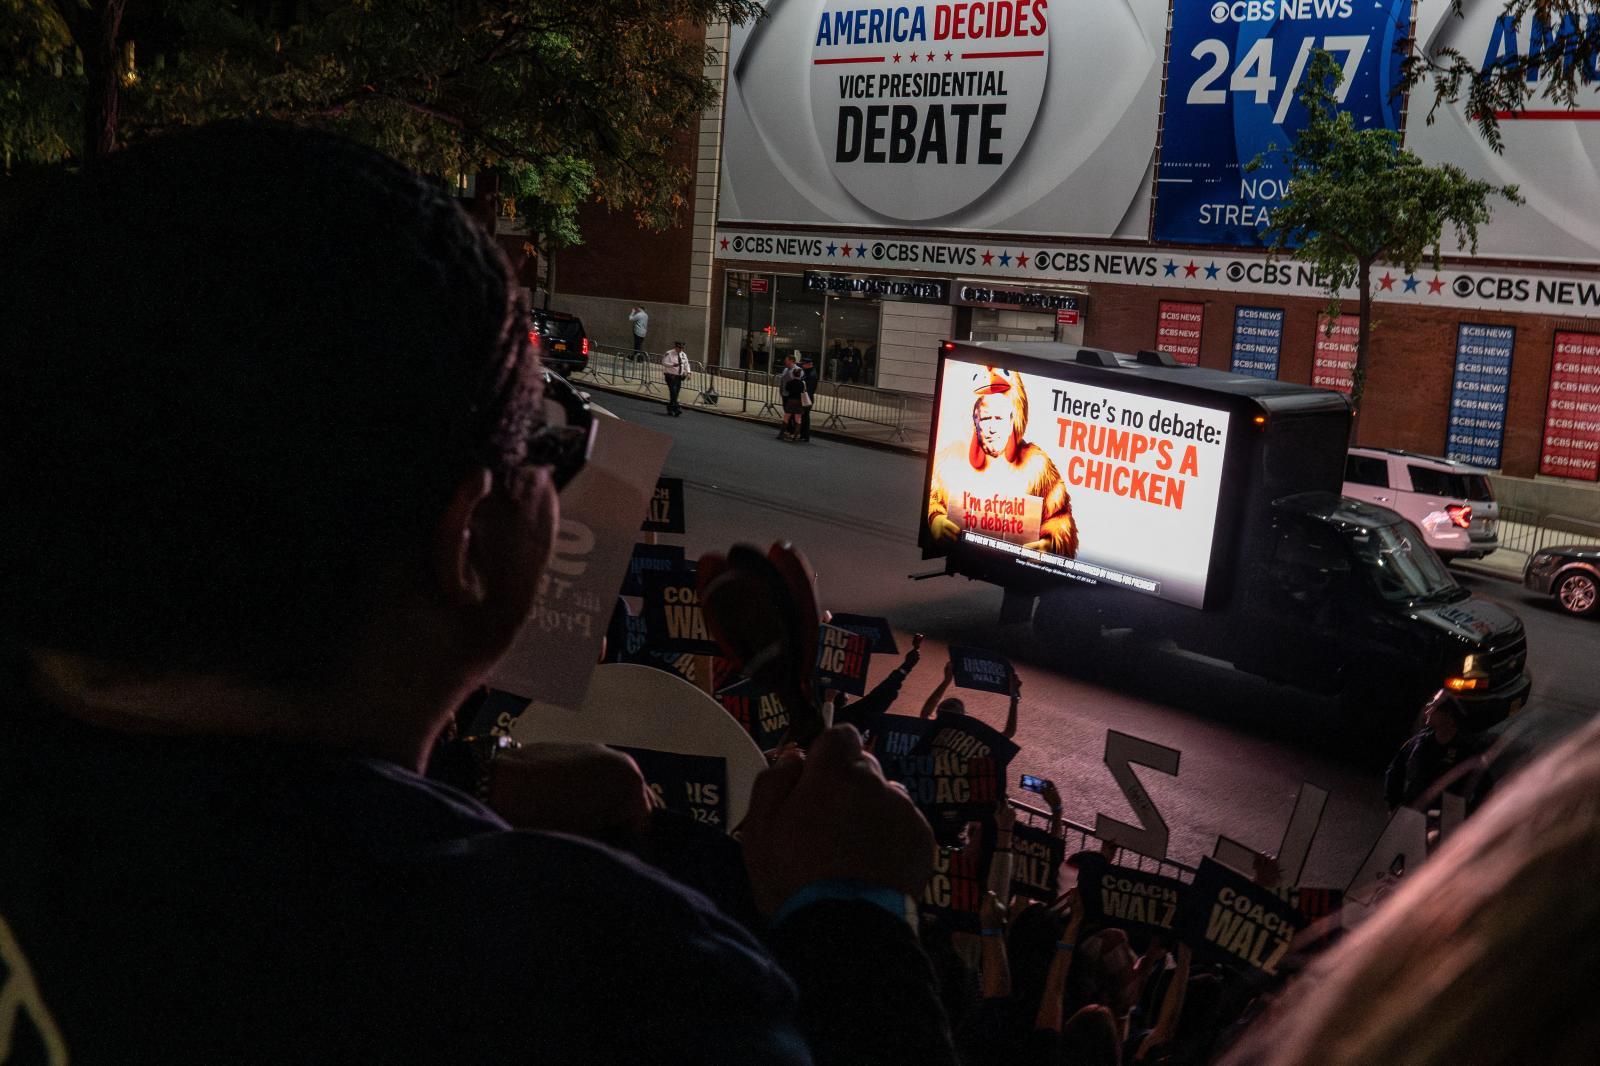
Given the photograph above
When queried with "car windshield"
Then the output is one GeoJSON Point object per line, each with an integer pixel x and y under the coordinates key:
{"type": "Point", "coordinates": [1400, 564]}
{"type": "Point", "coordinates": [1457, 486]}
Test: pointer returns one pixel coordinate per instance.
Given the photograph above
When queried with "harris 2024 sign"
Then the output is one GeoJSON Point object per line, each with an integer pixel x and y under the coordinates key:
{"type": "Point", "coordinates": [1233, 72]}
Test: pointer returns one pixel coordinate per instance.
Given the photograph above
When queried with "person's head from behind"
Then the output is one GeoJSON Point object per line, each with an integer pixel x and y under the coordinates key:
{"type": "Point", "coordinates": [1444, 715]}
{"type": "Point", "coordinates": [1488, 953]}
{"type": "Point", "coordinates": [1090, 1038]}
{"type": "Point", "coordinates": [264, 409]}
{"type": "Point", "coordinates": [951, 705]}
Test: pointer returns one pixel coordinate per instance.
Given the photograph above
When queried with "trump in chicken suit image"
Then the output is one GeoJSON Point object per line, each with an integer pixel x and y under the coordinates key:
{"type": "Point", "coordinates": [983, 483]}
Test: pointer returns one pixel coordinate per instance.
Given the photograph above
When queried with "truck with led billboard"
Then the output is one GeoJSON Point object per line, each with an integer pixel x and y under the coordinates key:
{"type": "Point", "coordinates": [1129, 491]}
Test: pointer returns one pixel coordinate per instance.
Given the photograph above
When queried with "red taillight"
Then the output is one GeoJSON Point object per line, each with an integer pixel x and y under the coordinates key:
{"type": "Point", "coordinates": [586, 346]}
{"type": "Point", "coordinates": [1460, 514]}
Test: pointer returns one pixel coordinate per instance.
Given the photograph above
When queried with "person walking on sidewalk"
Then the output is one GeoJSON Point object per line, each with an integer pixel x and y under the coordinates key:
{"type": "Point", "coordinates": [641, 326]}
{"type": "Point", "coordinates": [674, 367]}
{"type": "Point", "coordinates": [809, 374]}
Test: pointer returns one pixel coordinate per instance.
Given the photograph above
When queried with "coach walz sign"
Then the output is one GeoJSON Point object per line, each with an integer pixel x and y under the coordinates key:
{"type": "Point", "coordinates": [880, 287]}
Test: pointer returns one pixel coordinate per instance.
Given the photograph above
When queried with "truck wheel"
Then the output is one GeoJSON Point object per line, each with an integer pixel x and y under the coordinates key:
{"type": "Point", "coordinates": [1577, 592]}
{"type": "Point", "coordinates": [1379, 717]}
{"type": "Point", "coordinates": [1074, 632]}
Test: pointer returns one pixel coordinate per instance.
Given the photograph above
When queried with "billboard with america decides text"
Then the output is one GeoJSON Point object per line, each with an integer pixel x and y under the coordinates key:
{"type": "Point", "coordinates": [1051, 472]}
{"type": "Point", "coordinates": [1021, 116]}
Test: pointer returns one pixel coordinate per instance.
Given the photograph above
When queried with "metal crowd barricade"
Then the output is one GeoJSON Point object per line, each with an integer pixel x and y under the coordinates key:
{"type": "Point", "coordinates": [843, 404]}
{"type": "Point", "coordinates": [1082, 838]}
{"type": "Point", "coordinates": [624, 366]}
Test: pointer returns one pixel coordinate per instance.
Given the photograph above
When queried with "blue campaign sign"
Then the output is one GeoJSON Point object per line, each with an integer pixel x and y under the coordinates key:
{"type": "Point", "coordinates": [1478, 402]}
{"type": "Point", "coordinates": [1232, 74]}
{"type": "Point", "coordinates": [1257, 340]}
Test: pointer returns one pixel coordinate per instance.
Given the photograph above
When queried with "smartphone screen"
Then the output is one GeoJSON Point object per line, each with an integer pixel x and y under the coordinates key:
{"type": "Point", "coordinates": [1032, 784]}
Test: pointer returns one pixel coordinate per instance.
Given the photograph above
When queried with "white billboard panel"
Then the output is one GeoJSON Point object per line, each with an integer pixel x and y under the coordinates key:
{"type": "Point", "coordinates": [1552, 153]}
{"type": "Point", "coordinates": [1027, 116]}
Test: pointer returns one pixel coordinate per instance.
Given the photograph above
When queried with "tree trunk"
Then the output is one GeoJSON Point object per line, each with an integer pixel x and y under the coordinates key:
{"type": "Point", "coordinates": [1358, 385]}
{"type": "Point", "coordinates": [549, 275]}
{"type": "Point", "coordinates": [97, 30]}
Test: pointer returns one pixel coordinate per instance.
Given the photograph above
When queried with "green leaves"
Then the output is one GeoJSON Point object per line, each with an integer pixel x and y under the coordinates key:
{"type": "Point", "coordinates": [1356, 198]}
{"type": "Point", "coordinates": [568, 101]}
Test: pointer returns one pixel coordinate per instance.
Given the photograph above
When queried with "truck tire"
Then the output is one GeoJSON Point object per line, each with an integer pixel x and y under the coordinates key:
{"type": "Point", "coordinates": [1063, 625]}
{"type": "Point", "coordinates": [1379, 714]}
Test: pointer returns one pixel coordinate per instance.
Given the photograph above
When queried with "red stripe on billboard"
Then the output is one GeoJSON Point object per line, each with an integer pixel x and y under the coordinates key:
{"type": "Point", "coordinates": [1333, 364]}
{"type": "Point", "coordinates": [848, 59]}
{"type": "Point", "coordinates": [1572, 414]}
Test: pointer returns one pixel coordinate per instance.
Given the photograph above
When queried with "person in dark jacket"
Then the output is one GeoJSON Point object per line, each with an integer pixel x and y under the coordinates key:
{"type": "Point", "coordinates": [1434, 752]}
{"type": "Point", "coordinates": [270, 524]}
{"type": "Point", "coordinates": [808, 367]}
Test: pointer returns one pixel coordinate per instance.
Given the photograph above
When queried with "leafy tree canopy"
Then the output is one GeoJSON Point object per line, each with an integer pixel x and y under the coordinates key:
{"type": "Point", "coordinates": [569, 101]}
{"type": "Point", "coordinates": [1356, 198]}
{"type": "Point", "coordinates": [1540, 50]}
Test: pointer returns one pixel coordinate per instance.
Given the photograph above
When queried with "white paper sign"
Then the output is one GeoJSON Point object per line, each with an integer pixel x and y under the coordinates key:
{"type": "Point", "coordinates": [601, 510]}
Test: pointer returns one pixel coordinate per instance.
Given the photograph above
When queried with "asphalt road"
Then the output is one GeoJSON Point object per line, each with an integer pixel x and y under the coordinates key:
{"type": "Point", "coordinates": [1246, 744]}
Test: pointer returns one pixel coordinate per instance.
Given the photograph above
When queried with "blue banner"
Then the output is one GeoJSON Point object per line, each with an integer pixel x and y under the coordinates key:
{"type": "Point", "coordinates": [1478, 401]}
{"type": "Point", "coordinates": [1257, 341]}
{"type": "Point", "coordinates": [1232, 74]}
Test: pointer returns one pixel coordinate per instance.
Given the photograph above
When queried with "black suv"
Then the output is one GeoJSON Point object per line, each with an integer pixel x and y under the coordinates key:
{"type": "Point", "coordinates": [563, 344]}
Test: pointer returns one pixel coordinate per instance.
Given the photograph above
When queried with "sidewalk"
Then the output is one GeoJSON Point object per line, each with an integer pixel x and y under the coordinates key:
{"type": "Point", "coordinates": [841, 412]}
{"type": "Point", "coordinates": [1505, 564]}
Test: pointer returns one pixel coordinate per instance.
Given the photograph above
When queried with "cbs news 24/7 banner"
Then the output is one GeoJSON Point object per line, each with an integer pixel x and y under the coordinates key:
{"type": "Point", "coordinates": [1025, 116]}
{"type": "Point", "coordinates": [1076, 480]}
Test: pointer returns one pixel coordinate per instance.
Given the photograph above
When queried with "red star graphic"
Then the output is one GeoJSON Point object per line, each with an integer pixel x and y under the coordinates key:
{"type": "Point", "coordinates": [846, 251]}
{"type": "Point", "coordinates": [948, 56]}
{"type": "Point", "coordinates": [1191, 270]}
{"type": "Point", "coordinates": [897, 57]}
{"type": "Point", "coordinates": [1435, 286]}
{"type": "Point", "coordinates": [1386, 282]}
{"type": "Point", "coordinates": [1022, 260]}
{"type": "Point", "coordinates": [724, 244]}
{"type": "Point", "coordinates": [930, 57]}
{"type": "Point", "coordinates": [988, 257]}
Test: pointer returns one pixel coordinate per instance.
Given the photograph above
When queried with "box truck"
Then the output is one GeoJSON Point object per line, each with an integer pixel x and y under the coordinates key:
{"type": "Point", "coordinates": [1104, 490]}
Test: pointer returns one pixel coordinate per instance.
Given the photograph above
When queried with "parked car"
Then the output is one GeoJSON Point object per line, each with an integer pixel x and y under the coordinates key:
{"type": "Point", "coordinates": [1570, 573]}
{"type": "Point", "coordinates": [1452, 503]}
{"type": "Point", "coordinates": [563, 343]}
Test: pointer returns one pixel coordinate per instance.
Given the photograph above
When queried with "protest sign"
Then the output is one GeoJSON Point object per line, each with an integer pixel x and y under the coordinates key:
{"type": "Point", "coordinates": [632, 706]}
{"type": "Point", "coordinates": [880, 638]}
{"type": "Point", "coordinates": [1290, 861]}
{"type": "Point", "coordinates": [1125, 898]}
{"type": "Point", "coordinates": [981, 670]}
{"type": "Point", "coordinates": [651, 559]}
{"type": "Point", "coordinates": [953, 766]}
{"type": "Point", "coordinates": [960, 877]}
{"type": "Point", "coordinates": [896, 735]}
{"type": "Point", "coordinates": [842, 660]}
{"type": "Point", "coordinates": [1227, 918]}
{"type": "Point", "coordinates": [666, 507]}
{"type": "Point", "coordinates": [755, 707]}
{"type": "Point", "coordinates": [1036, 857]}
{"type": "Point", "coordinates": [1123, 752]}
{"type": "Point", "coordinates": [1402, 846]}
{"type": "Point", "coordinates": [673, 621]}
{"type": "Point", "coordinates": [696, 785]}
{"type": "Point", "coordinates": [628, 641]}
{"type": "Point", "coordinates": [559, 645]}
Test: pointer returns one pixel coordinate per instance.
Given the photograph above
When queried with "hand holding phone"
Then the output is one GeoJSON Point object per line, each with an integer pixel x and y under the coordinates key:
{"type": "Point", "coordinates": [1035, 784]}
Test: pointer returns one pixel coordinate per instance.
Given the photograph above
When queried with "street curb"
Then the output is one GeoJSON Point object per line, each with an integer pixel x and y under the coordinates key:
{"type": "Point", "coordinates": [1477, 568]}
{"type": "Point", "coordinates": [824, 434]}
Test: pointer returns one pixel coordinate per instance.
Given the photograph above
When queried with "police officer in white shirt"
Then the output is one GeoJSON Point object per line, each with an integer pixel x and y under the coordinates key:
{"type": "Point", "coordinates": [674, 367]}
